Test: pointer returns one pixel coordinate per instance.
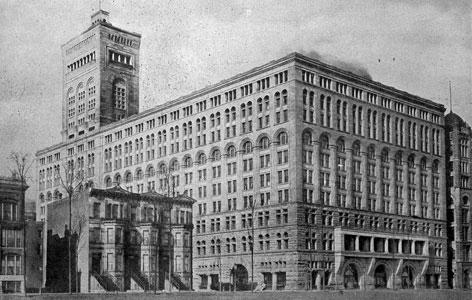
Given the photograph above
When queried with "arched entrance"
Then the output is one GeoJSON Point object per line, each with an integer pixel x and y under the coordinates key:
{"type": "Point", "coordinates": [315, 280]}
{"type": "Point", "coordinates": [407, 277]}
{"type": "Point", "coordinates": [327, 274]}
{"type": "Point", "coordinates": [380, 276]}
{"type": "Point", "coordinates": [239, 277]}
{"type": "Point", "coordinates": [351, 277]}
{"type": "Point", "coordinates": [466, 279]}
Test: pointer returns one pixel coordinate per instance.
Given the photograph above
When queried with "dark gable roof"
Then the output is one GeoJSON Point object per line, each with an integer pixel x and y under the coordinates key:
{"type": "Point", "coordinates": [118, 192]}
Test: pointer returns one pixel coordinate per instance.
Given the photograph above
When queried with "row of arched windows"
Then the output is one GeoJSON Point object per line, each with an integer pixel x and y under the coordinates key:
{"type": "Point", "coordinates": [378, 126]}
{"type": "Point", "coordinates": [246, 147]}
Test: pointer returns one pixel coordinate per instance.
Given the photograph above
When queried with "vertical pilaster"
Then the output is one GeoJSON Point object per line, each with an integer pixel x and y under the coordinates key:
{"type": "Point", "coordinates": [333, 176]}
{"type": "Point", "coordinates": [378, 183]}
{"type": "Point", "coordinates": [349, 178]}
{"type": "Point", "coordinates": [316, 171]}
{"type": "Point", "coordinates": [364, 180]}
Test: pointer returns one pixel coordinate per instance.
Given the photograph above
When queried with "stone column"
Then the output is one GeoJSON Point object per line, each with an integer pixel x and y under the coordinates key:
{"type": "Point", "coordinates": [429, 184]}
{"type": "Point", "coordinates": [356, 245]}
{"type": "Point", "coordinates": [378, 184]}
{"type": "Point", "coordinates": [418, 189]}
{"type": "Point", "coordinates": [333, 176]}
{"type": "Point", "coordinates": [386, 246]}
{"type": "Point", "coordinates": [400, 246]}
{"type": "Point", "coordinates": [392, 188]}
{"type": "Point", "coordinates": [316, 171]}
{"type": "Point", "coordinates": [364, 180]}
{"type": "Point", "coordinates": [274, 281]}
{"type": "Point", "coordinates": [406, 201]}
{"type": "Point", "coordinates": [349, 178]}
{"type": "Point", "coordinates": [372, 244]}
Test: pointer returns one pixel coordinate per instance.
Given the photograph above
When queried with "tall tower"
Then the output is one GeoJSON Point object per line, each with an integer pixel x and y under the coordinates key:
{"type": "Point", "coordinates": [101, 77]}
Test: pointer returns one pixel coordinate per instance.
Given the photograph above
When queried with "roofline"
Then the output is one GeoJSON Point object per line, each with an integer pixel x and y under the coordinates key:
{"type": "Point", "coordinates": [375, 84]}
{"type": "Point", "coordinates": [292, 57]}
{"type": "Point", "coordinates": [109, 25]}
{"type": "Point", "coordinates": [130, 195]}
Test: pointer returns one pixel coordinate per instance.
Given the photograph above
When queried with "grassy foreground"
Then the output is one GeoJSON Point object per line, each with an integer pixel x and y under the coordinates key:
{"type": "Point", "coordinates": [291, 295]}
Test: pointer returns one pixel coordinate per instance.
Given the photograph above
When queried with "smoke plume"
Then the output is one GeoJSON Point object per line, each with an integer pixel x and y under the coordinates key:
{"type": "Point", "coordinates": [352, 67]}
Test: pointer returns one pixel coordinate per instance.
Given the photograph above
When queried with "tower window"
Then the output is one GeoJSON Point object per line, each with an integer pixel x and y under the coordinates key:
{"type": "Point", "coordinates": [120, 58]}
{"type": "Point", "coordinates": [119, 92]}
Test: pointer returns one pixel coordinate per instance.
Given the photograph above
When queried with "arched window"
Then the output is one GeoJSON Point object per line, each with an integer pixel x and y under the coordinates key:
{"type": "Point", "coordinates": [162, 168]}
{"type": "Point", "coordinates": [150, 171]}
{"type": "Point", "coordinates": [435, 167]}
{"type": "Point", "coordinates": [411, 161]}
{"type": "Point", "coordinates": [139, 174]}
{"type": "Point", "coordinates": [247, 147]}
{"type": "Point", "coordinates": [324, 142]}
{"type": "Point", "coordinates": [384, 156]}
{"type": "Point", "coordinates": [187, 161]}
{"type": "Point", "coordinates": [284, 97]}
{"type": "Point", "coordinates": [212, 120]}
{"type": "Point", "coordinates": [216, 155]}
{"type": "Point", "coordinates": [340, 146]}
{"type": "Point", "coordinates": [118, 179]}
{"type": "Point", "coordinates": [356, 148]}
{"type": "Point", "coordinates": [283, 138]}
{"type": "Point", "coordinates": [264, 143]}
{"type": "Point", "coordinates": [128, 177]}
{"type": "Point", "coordinates": [174, 165]}
{"type": "Point", "coordinates": [202, 158]}
{"type": "Point", "coordinates": [259, 105]}
{"type": "Point", "coordinates": [307, 140]}
{"type": "Point", "coordinates": [231, 151]}
{"type": "Point", "coordinates": [398, 158]}
{"type": "Point", "coordinates": [371, 152]}
{"type": "Point", "coordinates": [108, 182]}
{"type": "Point", "coordinates": [423, 164]}
{"type": "Point", "coordinates": [249, 108]}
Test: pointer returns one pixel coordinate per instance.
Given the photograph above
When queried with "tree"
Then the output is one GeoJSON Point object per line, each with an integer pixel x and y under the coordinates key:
{"type": "Point", "coordinates": [79, 229]}
{"type": "Point", "coordinates": [71, 182]}
{"type": "Point", "coordinates": [21, 167]}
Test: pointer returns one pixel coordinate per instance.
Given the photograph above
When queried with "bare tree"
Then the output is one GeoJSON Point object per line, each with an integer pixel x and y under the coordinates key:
{"type": "Point", "coordinates": [71, 181]}
{"type": "Point", "coordinates": [79, 228]}
{"type": "Point", "coordinates": [20, 170]}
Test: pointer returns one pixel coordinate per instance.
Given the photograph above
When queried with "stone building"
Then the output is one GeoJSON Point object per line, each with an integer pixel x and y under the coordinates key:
{"type": "Point", "coordinates": [305, 175]}
{"type": "Point", "coordinates": [12, 191]}
{"type": "Point", "coordinates": [120, 241]}
{"type": "Point", "coordinates": [459, 196]}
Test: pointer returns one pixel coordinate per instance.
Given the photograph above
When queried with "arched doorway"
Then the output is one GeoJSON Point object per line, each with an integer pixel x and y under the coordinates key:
{"type": "Point", "coordinates": [380, 276]}
{"type": "Point", "coordinates": [351, 277]}
{"type": "Point", "coordinates": [315, 280]}
{"type": "Point", "coordinates": [239, 277]}
{"type": "Point", "coordinates": [327, 274]}
{"type": "Point", "coordinates": [466, 279]}
{"type": "Point", "coordinates": [407, 277]}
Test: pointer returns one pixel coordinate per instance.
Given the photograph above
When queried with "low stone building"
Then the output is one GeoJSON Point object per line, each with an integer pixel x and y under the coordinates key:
{"type": "Point", "coordinates": [120, 241]}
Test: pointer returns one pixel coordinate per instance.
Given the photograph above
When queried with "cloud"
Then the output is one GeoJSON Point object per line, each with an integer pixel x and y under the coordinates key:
{"type": "Point", "coordinates": [349, 66]}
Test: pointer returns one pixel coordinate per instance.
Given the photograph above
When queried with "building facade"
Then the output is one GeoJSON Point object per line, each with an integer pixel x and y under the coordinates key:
{"type": "Point", "coordinates": [12, 192]}
{"type": "Point", "coordinates": [459, 195]}
{"type": "Point", "coordinates": [120, 241]}
{"type": "Point", "coordinates": [305, 175]}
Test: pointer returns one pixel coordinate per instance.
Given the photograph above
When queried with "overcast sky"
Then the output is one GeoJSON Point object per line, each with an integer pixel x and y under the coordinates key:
{"type": "Point", "coordinates": [415, 46]}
